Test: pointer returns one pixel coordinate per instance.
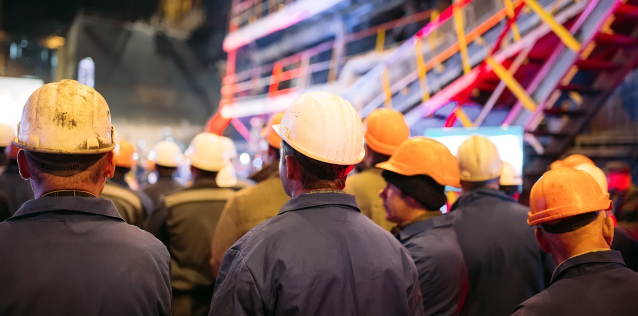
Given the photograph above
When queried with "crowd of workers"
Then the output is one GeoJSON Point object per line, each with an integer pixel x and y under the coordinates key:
{"type": "Point", "coordinates": [306, 239]}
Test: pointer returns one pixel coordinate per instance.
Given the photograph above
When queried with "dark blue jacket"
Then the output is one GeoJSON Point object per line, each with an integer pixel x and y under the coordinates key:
{"type": "Point", "coordinates": [76, 256]}
{"type": "Point", "coordinates": [318, 256]}
{"type": "Point", "coordinates": [438, 257]}
{"type": "Point", "coordinates": [595, 283]}
{"type": "Point", "coordinates": [16, 189]}
{"type": "Point", "coordinates": [504, 263]}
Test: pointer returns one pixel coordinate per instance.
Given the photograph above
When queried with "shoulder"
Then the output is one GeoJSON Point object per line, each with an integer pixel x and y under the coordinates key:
{"type": "Point", "coordinates": [538, 304]}
{"type": "Point", "coordinates": [142, 241]}
{"type": "Point", "coordinates": [197, 195]}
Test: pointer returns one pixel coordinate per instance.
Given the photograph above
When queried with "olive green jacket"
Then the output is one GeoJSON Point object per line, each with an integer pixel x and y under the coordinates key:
{"type": "Point", "coordinates": [365, 187]}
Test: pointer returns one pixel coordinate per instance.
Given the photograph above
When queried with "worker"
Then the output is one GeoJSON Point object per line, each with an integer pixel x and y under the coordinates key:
{"type": "Point", "coordinates": [252, 205]}
{"type": "Point", "coordinates": [627, 247]}
{"type": "Point", "coordinates": [319, 255]}
{"type": "Point", "coordinates": [6, 137]}
{"type": "Point", "coordinates": [510, 181]}
{"type": "Point", "coordinates": [68, 252]}
{"type": "Point", "coordinates": [185, 222]}
{"type": "Point", "coordinates": [571, 161]}
{"type": "Point", "coordinates": [166, 156]}
{"type": "Point", "coordinates": [133, 206]}
{"type": "Point", "coordinates": [568, 209]}
{"type": "Point", "coordinates": [16, 190]}
{"type": "Point", "coordinates": [625, 196]}
{"type": "Point", "coordinates": [505, 265]}
{"type": "Point", "coordinates": [384, 131]}
{"type": "Point", "coordinates": [227, 177]}
{"type": "Point", "coordinates": [416, 176]}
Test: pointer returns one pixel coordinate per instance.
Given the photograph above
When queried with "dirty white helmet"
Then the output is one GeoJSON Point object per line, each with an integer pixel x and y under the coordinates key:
{"type": "Point", "coordinates": [207, 152]}
{"type": "Point", "coordinates": [166, 154]}
{"type": "Point", "coordinates": [596, 173]}
{"type": "Point", "coordinates": [229, 147]}
{"type": "Point", "coordinates": [324, 127]}
{"type": "Point", "coordinates": [478, 160]}
{"type": "Point", "coordinates": [509, 175]}
{"type": "Point", "coordinates": [66, 117]}
{"type": "Point", "coordinates": [6, 135]}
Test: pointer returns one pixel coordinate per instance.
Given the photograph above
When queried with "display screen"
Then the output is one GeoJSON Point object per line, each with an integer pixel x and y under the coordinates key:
{"type": "Point", "coordinates": [508, 140]}
{"type": "Point", "coordinates": [14, 93]}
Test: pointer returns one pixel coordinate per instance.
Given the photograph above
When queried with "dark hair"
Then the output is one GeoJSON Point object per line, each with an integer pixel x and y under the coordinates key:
{"type": "Point", "coordinates": [165, 171]}
{"type": "Point", "coordinates": [311, 180]}
{"type": "Point", "coordinates": [92, 170]}
{"type": "Point", "coordinates": [274, 149]}
{"type": "Point", "coordinates": [376, 157]}
{"type": "Point", "coordinates": [471, 185]}
{"type": "Point", "coordinates": [206, 174]}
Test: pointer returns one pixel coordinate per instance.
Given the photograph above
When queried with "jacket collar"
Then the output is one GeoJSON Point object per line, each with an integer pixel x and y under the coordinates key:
{"type": "Point", "coordinates": [203, 183]}
{"type": "Point", "coordinates": [320, 198]}
{"type": "Point", "coordinates": [424, 225]}
{"type": "Point", "coordinates": [469, 198]}
{"type": "Point", "coordinates": [11, 168]}
{"type": "Point", "coordinates": [588, 263]}
{"type": "Point", "coordinates": [89, 205]}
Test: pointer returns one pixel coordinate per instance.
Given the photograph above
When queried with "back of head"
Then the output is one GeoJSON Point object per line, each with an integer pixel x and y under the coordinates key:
{"type": "Point", "coordinates": [479, 162]}
{"type": "Point", "coordinates": [324, 134]}
{"type": "Point", "coordinates": [65, 132]}
{"type": "Point", "coordinates": [421, 168]}
{"type": "Point", "coordinates": [564, 202]}
{"type": "Point", "coordinates": [385, 130]}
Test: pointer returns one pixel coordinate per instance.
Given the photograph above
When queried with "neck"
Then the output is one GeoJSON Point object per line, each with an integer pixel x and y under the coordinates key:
{"type": "Point", "coordinates": [563, 253]}
{"type": "Point", "coordinates": [413, 215]}
{"type": "Point", "coordinates": [297, 192]}
{"type": "Point", "coordinates": [40, 189]}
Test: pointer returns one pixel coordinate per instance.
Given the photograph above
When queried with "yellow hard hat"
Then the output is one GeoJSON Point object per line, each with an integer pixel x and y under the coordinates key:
{"type": "Point", "coordinates": [385, 130]}
{"type": "Point", "coordinates": [479, 160]}
{"type": "Point", "coordinates": [424, 156]}
{"type": "Point", "coordinates": [124, 154]}
{"type": "Point", "coordinates": [571, 161]}
{"type": "Point", "coordinates": [509, 175]}
{"type": "Point", "coordinates": [324, 127]}
{"type": "Point", "coordinates": [565, 192]}
{"type": "Point", "coordinates": [66, 117]}
{"type": "Point", "coordinates": [269, 133]}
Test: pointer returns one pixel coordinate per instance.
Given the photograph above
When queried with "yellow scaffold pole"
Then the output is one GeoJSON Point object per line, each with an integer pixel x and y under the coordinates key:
{"type": "Point", "coordinates": [512, 84]}
{"type": "Point", "coordinates": [509, 7]}
{"type": "Point", "coordinates": [385, 77]}
{"type": "Point", "coordinates": [460, 33]}
{"type": "Point", "coordinates": [558, 28]}
{"type": "Point", "coordinates": [422, 71]}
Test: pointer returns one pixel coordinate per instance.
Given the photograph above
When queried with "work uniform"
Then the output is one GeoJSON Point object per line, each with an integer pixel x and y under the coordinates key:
{"type": "Point", "coordinates": [247, 209]}
{"type": "Point", "coordinates": [504, 263]}
{"type": "Point", "coordinates": [185, 222]}
{"type": "Point", "coordinates": [74, 255]}
{"type": "Point", "coordinates": [365, 186]}
{"type": "Point", "coordinates": [163, 186]}
{"type": "Point", "coordinates": [5, 212]}
{"type": "Point", "coordinates": [627, 247]}
{"type": "Point", "coordinates": [318, 256]}
{"type": "Point", "coordinates": [127, 202]}
{"type": "Point", "coordinates": [16, 189]}
{"type": "Point", "coordinates": [594, 283]}
{"type": "Point", "coordinates": [625, 208]}
{"type": "Point", "coordinates": [431, 241]}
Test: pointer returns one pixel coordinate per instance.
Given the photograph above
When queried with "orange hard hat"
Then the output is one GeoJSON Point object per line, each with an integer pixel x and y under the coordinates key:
{"type": "Point", "coordinates": [571, 161]}
{"type": "Point", "coordinates": [424, 156]}
{"type": "Point", "coordinates": [12, 151]}
{"type": "Point", "coordinates": [124, 154]}
{"type": "Point", "coordinates": [269, 133]}
{"type": "Point", "coordinates": [565, 192]}
{"type": "Point", "coordinates": [385, 130]}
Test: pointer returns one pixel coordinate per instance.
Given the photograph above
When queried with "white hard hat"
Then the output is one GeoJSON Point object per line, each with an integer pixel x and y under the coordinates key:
{"type": "Point", "coordinates": [206, 152]}
{"type": "Point", "coordinates": [66, 117]}
{"type": "Point", "coordinates": [478, 160]}
{"type": "Point", "coordinates": [596, 173]}
{"type": "Point", "coordinates": [324, 127]}
{"type": "Point", "coordinates": [6, 135]}
{"type": "Point", "coordinates": [509, 175]}
{"type": "Point", "coordinates": [166, 154]}
{"type": "Point", "coordinates": [229, 147]}
{"type": "Point", "coordinates": [226, 177]}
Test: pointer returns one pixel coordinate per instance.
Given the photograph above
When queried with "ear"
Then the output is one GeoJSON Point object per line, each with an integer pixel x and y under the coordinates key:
{"type": "Point", "coordinates": [109, 171]}
{"type": "Point", "coordinates": [608, 229]}
{"type": "Point", "coordinates": [539, 233]}
{"type": "Point", "coordinates": [291, 167]}
{"type": "Point", "coordinates": [23, 166]}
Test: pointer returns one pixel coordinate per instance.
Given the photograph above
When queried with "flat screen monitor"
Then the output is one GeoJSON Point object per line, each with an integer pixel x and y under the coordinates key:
{"type": "Point", "coordinates": [14, 93]}
{"type": "Point", "coordinates": [508, 140]}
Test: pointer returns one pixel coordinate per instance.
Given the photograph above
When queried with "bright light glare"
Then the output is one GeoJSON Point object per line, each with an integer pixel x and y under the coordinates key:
{"type": "Point", "coordinates": [257, 162]}
{"type": "Point", "coordinates": [244, 158]}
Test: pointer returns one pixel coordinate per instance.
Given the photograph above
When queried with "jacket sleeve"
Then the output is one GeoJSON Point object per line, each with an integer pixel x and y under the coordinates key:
{"type": "Point", "coordinates": [228, 231]}
{"type": "Point", "coordinates": [156, 223]}
{"type": "Point", "coordinates": [413, 287]}
{"type": "Point", "coordinates": [235, 291]}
